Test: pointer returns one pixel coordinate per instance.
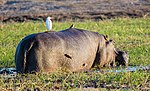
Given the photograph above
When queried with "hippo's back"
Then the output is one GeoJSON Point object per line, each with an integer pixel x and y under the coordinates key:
{"type": "Point", "coordinates": [70, 49]}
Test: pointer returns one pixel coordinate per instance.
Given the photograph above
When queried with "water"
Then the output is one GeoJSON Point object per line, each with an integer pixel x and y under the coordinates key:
{"type": "Point", "coordinates": [127, 69]}
{"type": "Point", "coordinates": [11, 72]}
{"type": "Point", "coordinates": [8, 72]}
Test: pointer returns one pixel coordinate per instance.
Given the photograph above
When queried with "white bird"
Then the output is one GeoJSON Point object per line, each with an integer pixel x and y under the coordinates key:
{"type": "Point", "coordinates": [49, 23]}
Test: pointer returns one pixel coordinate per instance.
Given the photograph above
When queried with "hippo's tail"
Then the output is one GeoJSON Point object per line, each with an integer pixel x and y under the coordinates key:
{"type": "Point", "coordinates": [21, 53]}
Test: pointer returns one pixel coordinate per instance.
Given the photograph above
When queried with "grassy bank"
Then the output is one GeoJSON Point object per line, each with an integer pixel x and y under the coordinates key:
{"type": "Point", "coordinates": [132, 35]}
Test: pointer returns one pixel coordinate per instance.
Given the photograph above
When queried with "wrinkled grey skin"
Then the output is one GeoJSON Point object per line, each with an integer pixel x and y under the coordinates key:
{"type": "Point", "coordinates": [122, 58]}
{"type": "Point", "coordinates": [70, 50]}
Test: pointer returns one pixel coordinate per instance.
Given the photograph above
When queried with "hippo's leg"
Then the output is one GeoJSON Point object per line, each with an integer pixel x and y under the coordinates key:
{"type": "Point", "coordinates": [107, 65]}
{"type": "Point", "coordinates": [114, 64]}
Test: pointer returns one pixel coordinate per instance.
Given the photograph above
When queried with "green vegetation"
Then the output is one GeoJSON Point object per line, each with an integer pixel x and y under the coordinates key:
{"type": "Point", "coordinates": [132, 35]}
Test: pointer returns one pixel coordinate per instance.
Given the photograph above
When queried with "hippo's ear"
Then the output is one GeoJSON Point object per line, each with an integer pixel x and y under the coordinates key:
{"type": "Point", "coordinates": [106, 37]}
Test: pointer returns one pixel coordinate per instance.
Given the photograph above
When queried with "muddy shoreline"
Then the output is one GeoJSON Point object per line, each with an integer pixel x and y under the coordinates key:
{"type": "Point", "coordinates": [60, 10]}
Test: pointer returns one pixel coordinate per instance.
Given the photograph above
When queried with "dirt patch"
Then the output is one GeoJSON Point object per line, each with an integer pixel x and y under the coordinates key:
{"type": "Point", "coordinates": [23, 10]}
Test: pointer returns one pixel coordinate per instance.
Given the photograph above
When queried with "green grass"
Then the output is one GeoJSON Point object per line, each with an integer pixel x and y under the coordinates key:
{"type": "Point", "coordinates": [64, 81]}
{"type": "Point", "coordinates": [132, 35]}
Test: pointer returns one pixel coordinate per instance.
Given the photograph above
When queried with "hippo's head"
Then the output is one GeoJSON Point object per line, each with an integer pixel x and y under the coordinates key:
{"type": "Point", "coordinates": [122, 58]}
{"type": "Point", "coordinates": [110, 53]}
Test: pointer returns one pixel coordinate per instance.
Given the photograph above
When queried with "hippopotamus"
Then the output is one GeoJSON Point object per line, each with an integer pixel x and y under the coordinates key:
{"type": "Point", "coordinates": [71, 50]}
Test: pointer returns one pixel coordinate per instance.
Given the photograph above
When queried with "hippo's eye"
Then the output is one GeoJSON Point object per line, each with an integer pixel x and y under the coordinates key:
{"type": "Point", "coordinates": [84, 65]}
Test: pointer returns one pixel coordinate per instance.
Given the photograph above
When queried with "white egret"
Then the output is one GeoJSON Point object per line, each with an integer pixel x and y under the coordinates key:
{"type": "Point", "coordinates": [49, 23]}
